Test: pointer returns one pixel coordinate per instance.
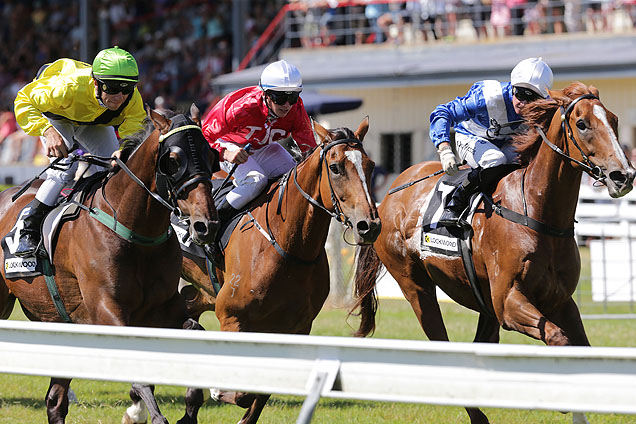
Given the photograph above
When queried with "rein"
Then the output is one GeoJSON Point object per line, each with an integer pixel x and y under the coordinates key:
{"type": "Point", "coordinates": [593, 170]}
{"type": "Point", "coordinates": [338, 215]}
{"type": "Point", "coordinates": [112, 222]}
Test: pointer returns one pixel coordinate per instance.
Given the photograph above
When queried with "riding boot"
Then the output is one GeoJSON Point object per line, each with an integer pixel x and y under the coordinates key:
{"type": "Point", "coordinates": [225, 211]}
{"type": "Point", "coordinates": [30, 234]}
{"type": "Point", "coordinates": [213, 250]}
{"type": "Point", "coordinates": [459, 201]}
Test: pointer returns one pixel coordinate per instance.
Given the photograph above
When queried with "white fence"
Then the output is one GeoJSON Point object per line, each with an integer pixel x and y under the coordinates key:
{"type": "Point", "coordinates": [574, 379]}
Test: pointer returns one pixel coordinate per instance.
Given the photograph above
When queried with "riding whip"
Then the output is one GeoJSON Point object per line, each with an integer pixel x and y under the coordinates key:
{"type": "Point", "coordinates": [403, 186]}
{"type": "Point", "coordinates": [51, 165]}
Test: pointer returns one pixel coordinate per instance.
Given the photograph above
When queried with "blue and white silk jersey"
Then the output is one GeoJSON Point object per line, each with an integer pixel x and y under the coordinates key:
{"type": "Point", "coordinates": [474, 113]}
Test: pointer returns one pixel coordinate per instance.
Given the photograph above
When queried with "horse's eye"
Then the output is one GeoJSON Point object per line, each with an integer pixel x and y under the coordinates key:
{"type": "Point", "coordinates": [580, 124]}
{"type": "Point", "coordinates": [173, 165]}
{"type": "Point", "coordinates": [334, 168]}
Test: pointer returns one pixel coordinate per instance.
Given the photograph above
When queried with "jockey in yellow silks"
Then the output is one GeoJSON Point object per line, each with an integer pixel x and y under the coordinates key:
{"type": "Point", "coordinates": [73, 102]}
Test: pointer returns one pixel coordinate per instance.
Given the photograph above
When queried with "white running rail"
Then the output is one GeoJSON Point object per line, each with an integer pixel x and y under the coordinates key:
{"type": "Point", "coordinates": [578, 379]}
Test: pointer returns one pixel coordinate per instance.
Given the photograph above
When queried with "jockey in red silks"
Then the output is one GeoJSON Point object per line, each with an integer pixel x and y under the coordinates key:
{"type": "Point", "coordinates": [259, 115]}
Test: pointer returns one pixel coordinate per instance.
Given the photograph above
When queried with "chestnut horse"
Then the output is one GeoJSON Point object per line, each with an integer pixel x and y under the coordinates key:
{"type": "Point", "coordinates": [103, 278]}
{"type": "Point", "coordinates": [275, 275]}
{"type": "Point", "coordinates": [526, 277]}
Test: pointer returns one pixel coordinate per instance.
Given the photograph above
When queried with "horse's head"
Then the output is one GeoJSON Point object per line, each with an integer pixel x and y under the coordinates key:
{"type": "Point", "coordinates": [185, 163]}
{"type": "Point", "coordinates": [346, 190]}
{"type": "Point", "coordinates": [592, 137]}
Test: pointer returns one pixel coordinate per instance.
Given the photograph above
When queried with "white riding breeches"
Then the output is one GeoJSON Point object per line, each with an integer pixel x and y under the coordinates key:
{"type": "Point", "coordinates": [93, 139]}
{"type": "Point", "coordinates": [479, 152]}
{"type": "Point", "coordinates": [250, 178]}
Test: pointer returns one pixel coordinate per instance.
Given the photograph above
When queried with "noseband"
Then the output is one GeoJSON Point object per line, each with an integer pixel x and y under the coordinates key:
{"type": "Point", "coordinates": [593, 170]}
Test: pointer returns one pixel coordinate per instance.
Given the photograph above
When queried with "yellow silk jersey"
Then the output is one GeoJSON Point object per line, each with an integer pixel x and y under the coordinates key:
{"type": "Point", "coordinates": [66, 88]}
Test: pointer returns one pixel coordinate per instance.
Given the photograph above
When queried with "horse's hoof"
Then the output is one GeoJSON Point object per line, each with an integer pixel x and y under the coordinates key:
{"type": "Point", "coordinates": [127, 420]}
{"type": "Point", "coordinates": [215, 395]}
{"type": "Point", "coordinates": [132, 416]}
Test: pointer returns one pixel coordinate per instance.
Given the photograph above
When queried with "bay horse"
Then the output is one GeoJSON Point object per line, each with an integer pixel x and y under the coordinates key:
{"type": "Point", "coordinates": [526, 277]}
{"type": "Point", "coordinates": [275, 276]}
{"type": "Point", "coordinates": [104, 278]}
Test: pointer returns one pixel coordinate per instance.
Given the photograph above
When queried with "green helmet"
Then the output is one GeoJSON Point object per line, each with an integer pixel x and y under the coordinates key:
{"type": "Point", "coordinates": [115, 64]}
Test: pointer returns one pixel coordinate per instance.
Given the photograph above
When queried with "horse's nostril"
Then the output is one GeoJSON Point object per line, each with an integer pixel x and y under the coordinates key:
{"type": "Point", "coordinates": [619, 178]}
{"type": "Point", "coordinates": [362, 226]}
{"type": "Point", "coordinates": [200, 227]}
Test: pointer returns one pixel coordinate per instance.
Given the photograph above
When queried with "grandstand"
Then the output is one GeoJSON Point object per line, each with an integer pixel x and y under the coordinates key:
{"type": "Point", "coordinates": [399, 58]}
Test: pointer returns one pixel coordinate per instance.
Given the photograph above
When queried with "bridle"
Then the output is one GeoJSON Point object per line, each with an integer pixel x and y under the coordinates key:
{"type": "Point", "coordinates": [282, 184]}
{"type": "Point", "coordinates": [588, 166]}
{"type": "Point", "coordinates": [194, 166]}
{"type": "Point", "coordinates": [338, 214]}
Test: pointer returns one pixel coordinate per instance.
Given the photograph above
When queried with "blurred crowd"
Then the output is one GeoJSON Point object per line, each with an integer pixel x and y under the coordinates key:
{"type": "Point", "coordinates": [342, 22]}
{"type": "Point", "coordinates": [180, 45]}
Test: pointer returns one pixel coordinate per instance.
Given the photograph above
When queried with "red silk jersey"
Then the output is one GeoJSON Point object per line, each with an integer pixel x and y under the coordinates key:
{"type": "Point", "coordinates": [242, 117]}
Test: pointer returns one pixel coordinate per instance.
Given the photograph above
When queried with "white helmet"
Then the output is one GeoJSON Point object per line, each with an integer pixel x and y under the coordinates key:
{"type": "Point", "coordinates": [533, 73]}
{"type": "Point", "coordinates": [281, 76]}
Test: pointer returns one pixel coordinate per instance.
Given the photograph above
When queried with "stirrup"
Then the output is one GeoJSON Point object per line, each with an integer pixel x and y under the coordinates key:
{"type": "Point", "coordinates": [453, 221]}
{"type": "Point", "coordinates": [25, 253]}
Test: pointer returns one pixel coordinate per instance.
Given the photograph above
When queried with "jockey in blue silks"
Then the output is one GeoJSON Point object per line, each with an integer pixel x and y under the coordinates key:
{"type": "Point", "coordinates": [485, 120]}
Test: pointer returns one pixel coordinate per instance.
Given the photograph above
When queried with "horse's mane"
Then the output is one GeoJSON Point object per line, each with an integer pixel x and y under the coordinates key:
{"type": "Point", "coordinates": [336, 134]}
{"type": "Point", "coordinates": [540, 114]}
{"type": "Point", "coordinates": [131, 143]}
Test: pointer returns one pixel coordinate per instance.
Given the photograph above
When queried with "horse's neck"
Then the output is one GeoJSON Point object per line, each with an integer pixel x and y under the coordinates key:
{"type": "Point", "coordinates": [301, 228]}
{"type": "Point", "coordinates": [552, 184]}
{"type": "Point", "coordinates": [135, 208]}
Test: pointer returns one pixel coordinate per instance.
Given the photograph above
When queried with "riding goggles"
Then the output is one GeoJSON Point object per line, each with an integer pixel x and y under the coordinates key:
{"type": "Point", "coordinates": [282, 97]}
{"type": "Point", "coordinates": [525, 94]}
{"type": "Point", "coordinates": [114, 87]}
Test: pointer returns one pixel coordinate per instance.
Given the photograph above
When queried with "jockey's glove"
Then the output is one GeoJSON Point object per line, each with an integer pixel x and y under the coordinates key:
{"type": "Point", "coordinates": [448, 159]}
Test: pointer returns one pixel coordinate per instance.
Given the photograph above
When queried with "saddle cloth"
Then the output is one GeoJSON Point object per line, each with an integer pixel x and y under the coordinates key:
{"type": "Point", "coordinates": [68, 210]}
{"type": "Point", "coordinates": [439, 239]}
{"type": "Point", "coordinates": [32, 266]}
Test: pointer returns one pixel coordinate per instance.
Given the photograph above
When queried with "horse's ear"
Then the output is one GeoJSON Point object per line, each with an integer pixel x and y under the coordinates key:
{"type": "Point", "coordinates": [362, 129]}
{"type": "Point", "coordinates": [321, 132]}
{"type": "Point", "coordinates": [159, 121]}
{"type": "Point", "coordinates": [594, 91]}
{"type": "Point", "coordinates": [195, 114]}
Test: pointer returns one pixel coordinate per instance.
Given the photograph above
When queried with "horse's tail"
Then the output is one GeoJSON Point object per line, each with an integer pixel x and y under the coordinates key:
{"type": "Point", "coordinates": [367, 267]}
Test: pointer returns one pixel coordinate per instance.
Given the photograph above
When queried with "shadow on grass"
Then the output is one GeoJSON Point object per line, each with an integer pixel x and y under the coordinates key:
{"type": "Point", "coordinates": [24, 402]}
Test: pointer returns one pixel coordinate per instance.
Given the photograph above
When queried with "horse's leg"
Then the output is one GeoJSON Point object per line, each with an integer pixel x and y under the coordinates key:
{"type": "Point", "coordinates": [568, 318]}
{"type": "Point", "coordinates": [145, 392]}
{"type": "Point", "coordinates": [254, 403]}
{"type": "Point", "coordinates": [137, 412]}
{"type": "Point", "coordinates": [421, 293]}
{"type": "Point", "coordinates": [57, 400]}
{"type": "Point", "coordinates": [194, 397]}
{"type": "Point", "coordinates": [487, 330]}
{"type": "Point", "coordinates": [7, 302]}
{"type": "Point", "coordinates": [522, 316]}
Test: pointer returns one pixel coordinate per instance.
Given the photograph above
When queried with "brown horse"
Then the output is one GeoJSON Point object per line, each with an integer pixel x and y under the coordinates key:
{"type": "Point", "coordinates": [275, 275]}
{"type": "Point", "coordinates": [526, 277]}
{"type": "Point", "coordinates": [103, 278]}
